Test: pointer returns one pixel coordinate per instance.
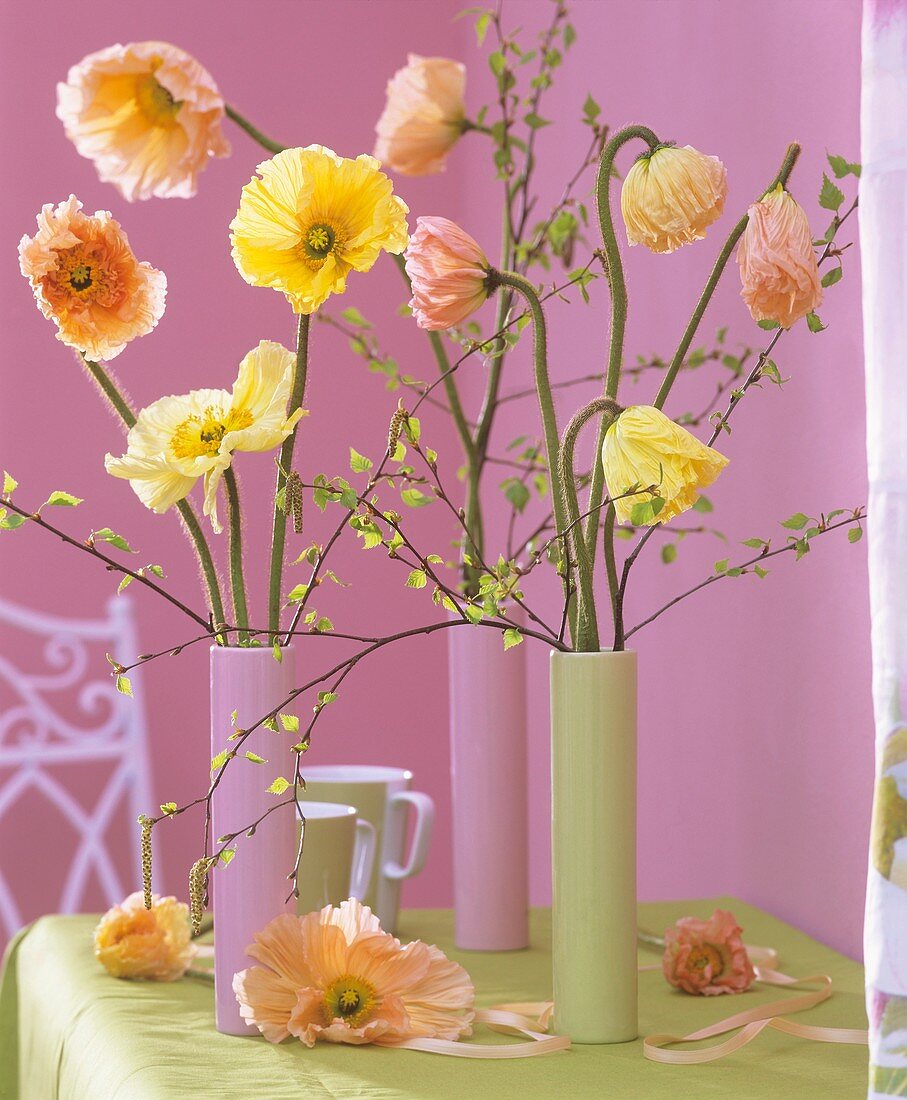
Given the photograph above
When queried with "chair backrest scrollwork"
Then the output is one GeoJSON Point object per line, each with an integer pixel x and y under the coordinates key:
{"type": "Point", "coordinates": [59, 723]}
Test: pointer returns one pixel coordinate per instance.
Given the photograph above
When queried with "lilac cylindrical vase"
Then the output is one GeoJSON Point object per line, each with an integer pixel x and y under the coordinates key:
{"type": "Point", "coordinates": [253, 889]}
{"type": "Point", "coordinates": [488, 790]}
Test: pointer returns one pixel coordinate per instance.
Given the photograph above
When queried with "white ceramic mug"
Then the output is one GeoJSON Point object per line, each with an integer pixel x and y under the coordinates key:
{"type": "Point", "coordinates": [338, 855]}
{"type": "Point", "coordinates": [383, 797]}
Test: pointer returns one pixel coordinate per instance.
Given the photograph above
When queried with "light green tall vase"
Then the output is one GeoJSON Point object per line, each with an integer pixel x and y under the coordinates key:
{"type": "Point", "coordinates": [593, 839]}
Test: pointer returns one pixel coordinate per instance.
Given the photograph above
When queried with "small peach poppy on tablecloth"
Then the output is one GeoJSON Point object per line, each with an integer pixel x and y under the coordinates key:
{"type": "Point", "coordinates": [707, 956]}
{"type": "Point", "coordinates": [131, 941]}
{"type": "Point", "coordinates": [448, 272]}
{"type": "Point", "coordinates": [778, 266]}
{"type": "Point", "coordinates": [335, 975]}
{"type": "Point", "coordinates": [424, 116]}
{"type": "Point", "coordinates": [148, 115]}
{"type": "Point", "coordinates": [86, 279]}
{"type": "Point", "coordinates": [671, 196]}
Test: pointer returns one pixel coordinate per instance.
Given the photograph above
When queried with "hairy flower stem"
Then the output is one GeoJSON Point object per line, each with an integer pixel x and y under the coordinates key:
{"type": "Point", "coordinates": [543, 387]}
{"type": "Point", "coordinates": [252, 131]}
{"type": "Point", "coordinates": [119, 404]}
{"type": "Point", "coordinates": [284, 466]}
{"type": "Point", "coordinates": [793, 152]}
{"type": "Point", "coordinates": [237, 580]}
{"type": "Point", "coordinates": [586, 640]}
{"type": "Point", "coordinates": [614, 272]}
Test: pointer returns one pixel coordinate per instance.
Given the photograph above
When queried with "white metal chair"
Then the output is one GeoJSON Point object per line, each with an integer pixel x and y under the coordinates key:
{"type": "Point", "coordinates": [65, 714]}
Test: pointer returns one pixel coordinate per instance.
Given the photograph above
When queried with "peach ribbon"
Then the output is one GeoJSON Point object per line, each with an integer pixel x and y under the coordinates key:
{"type": "Point", "coordinates": [755, 1020]}
{"type": "Point", "coordinates": [531, 1019]}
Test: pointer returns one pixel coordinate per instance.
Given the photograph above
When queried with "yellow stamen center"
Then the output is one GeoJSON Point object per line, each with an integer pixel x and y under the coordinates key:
{"type": "Point", "coordinates": [80, 274]}
{"type": "Point", "coordinates": [349, 999]}
{"type": "Point", "coordinates": [201, 435]}
{"type": "Point", "coordinates": [155, 102]}
{"type": "Point", "coordinates": [706, 955]}
{"type": "Point", "coordinates": [319, 241]}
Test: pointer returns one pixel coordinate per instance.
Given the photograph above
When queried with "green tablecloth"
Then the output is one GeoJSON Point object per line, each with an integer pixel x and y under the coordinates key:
{"type": "Point", "coordinates": [68, 1030]}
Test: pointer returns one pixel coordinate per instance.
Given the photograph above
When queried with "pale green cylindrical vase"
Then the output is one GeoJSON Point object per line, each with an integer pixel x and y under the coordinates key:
{"type": "Point", "coordinates": [593, 841]}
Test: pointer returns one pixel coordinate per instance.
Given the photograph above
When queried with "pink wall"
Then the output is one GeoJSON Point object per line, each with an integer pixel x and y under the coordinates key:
{"type": "Point", "coordinates": [755, 720]}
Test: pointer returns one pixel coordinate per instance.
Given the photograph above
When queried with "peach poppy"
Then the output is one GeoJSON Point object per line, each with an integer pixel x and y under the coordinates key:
{"type": "Point", "coordinates": [777, 261]}
{"type": "Point", "coordinates": [87, 280]}
{"type": "Point", "coordinates": [707, 956]}
{"type": "Point", "coordinates": [336, 976]}
{"type": "Point", "coordinates": [131, 941]}
{"type": "Point", "coordinates": [671, 196]}
{"type": "Point", "coordinates": [448, 272]}
{"type": "Point", "coordinates": [424, 116]}
{"type": "Point", "coordinates": [147, 114]}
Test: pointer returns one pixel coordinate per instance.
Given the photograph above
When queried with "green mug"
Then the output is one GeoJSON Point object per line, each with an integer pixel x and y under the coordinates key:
{"type": "Point", "coordinates": [338, 853]}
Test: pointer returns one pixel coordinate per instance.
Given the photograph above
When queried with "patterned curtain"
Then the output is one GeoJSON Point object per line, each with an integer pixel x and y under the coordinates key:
{"type": "Point", "coordinates": [883, 228]}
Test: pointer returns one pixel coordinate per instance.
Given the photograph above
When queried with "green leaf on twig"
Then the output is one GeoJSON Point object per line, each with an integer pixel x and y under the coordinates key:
{"type": "Point", "coordinates": [830, 196]}
{"type": "Point", "coordinates": [111, 537]}
{"type": "Point", "coordinates": [842, 167]}
{"type": "Point", "coordinates": [62, 500]}
{"type": "Point", "coordinates": [512, 637]}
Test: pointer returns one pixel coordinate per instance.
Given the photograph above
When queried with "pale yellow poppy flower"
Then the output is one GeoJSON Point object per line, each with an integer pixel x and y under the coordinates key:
{"type": "Point", "coordinates": [177, 440]}
{"type": "Point", "coordinates": [643, 448]}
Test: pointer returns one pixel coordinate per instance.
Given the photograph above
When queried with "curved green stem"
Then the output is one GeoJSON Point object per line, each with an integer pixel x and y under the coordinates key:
{"type": "Point", "coordinates": [613, 582]}
{"type": "Point", "coordinates": [587, 634]}
{"type": "Point", "coordinates": [120, 405]}
{"type": "Point", "coordinates": [614, 272]}
{"type": "Point", "coordinates": [543, 387]}
{"type": "Point", "coordinates": [252, 131]}
{"type": "Point", "coordinates": [285, 464]}
{"type": "Point", "coordinates": [237, 580]}
{"type": "Point", "coordinates": [724, 255]}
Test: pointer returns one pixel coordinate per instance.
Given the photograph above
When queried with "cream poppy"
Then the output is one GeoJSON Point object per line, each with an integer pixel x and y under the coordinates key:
{"type": "Point", "coordinates": [671, 196]}
{"type": "Point", "coordinates": [131, 941]}
{"type": "Point", "coordinates": [177, 440]}
{"type": "Point", "coordinates": [148, 115]}
{"type": "Point", "coordinates": [643, 448]}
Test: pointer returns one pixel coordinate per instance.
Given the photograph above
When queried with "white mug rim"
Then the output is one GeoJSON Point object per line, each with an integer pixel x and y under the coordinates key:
{"type": "Point", "coordinates": [328, 811]}
{"type": "Point", "coordinates": [355, 773]}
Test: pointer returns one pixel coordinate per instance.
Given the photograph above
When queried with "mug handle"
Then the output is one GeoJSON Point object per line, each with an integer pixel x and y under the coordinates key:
{"type": "Point", "coordinates": [363, 858]}
{"type": "Point", "coordinates": [425, 820]}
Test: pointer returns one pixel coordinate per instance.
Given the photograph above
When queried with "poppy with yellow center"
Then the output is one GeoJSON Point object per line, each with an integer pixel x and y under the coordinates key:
{"type": "Point", "coordinates": [177, 440]}
{"type": "Point", "coordinates": [311, 217]}
{"type": "Point", "coordinates": [87, 280]}
{"type": "Point", "coordinates": [335, 976]}
{"type": "Point", "coordinates": [147, 114]}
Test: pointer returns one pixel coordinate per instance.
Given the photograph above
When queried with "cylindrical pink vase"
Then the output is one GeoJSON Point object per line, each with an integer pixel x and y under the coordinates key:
{"type": "Point", "coordinates": [488, 790]}
{"type": "Point", "coordinates": [252, 890]}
